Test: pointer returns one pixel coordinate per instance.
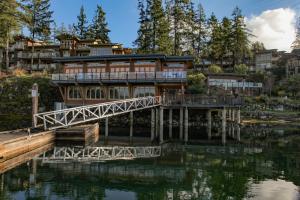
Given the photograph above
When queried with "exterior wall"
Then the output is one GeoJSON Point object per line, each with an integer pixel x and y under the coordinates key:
{"type": "Point", "coordinates": [293, 66]}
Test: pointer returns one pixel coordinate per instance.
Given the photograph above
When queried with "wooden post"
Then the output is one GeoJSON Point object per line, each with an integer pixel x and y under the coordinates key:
{"type": "Point", "coordinates": [106, 128]}
{"type": "Point", "coordinates": [2, 183]}
{"type": "Point", "coordinates": [161, 125]}
{"type": "Point", "coordinates": [238, 133]}
{"type": "Point", "coordinates": [131, 124]}
{"type": "Point", "coordinates": [152, 124]}
{"type": "Point", "coordinates": [170, 123]}
{"type": "Point", "coordinates": [208, 116]}
{"type": "Point", "coordinates": [156, 122]}
{"type": "Point", "coordinates": [35, 102]}
{"type": "Point", "coordinates": [186, 125]}
{"type": "Point", "coordinates": [238, 116]}
{"type": "Point", "coordinates": [233, 115]}
{"type": "Point", "coordinates": [224, 125]}
{"type": "Point", "coordinates": [181, 123]}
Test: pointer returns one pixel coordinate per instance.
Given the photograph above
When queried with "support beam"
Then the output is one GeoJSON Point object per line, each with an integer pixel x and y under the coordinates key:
{"type": "Point", "coordinates": [238, 116]}
{"type": "Point", "coordinates": [131, 125]}
{"type": "Point", "coordinates": [208, 116]}
{"type": "Point", "coordinates": [181, 124]}
{"type": "Point", "coordinates": [170, 123]}
{"type": "Point", "coordinates": [229, 114]}
{"type": "Point", "coordinates": [238, 133]}
{"type": "Point", "coordinates": [233, 115]}
{"type": "Point", "coordinates": [224, 126]}
{"type": "Point", "coordinates": [152, 124]}
{"type": "Point", "coordinates": [157, 123]}
{"type": "Point", "coordinates": [161, 125]}
{"type": "Point", "coordinates": [1, 183]}
{"type": "Point", "coordinates": [186, 125]}
{"type": "Point", "coordinates": [106, 128]}
{"type": "Point", "coordinates": [35, 103]}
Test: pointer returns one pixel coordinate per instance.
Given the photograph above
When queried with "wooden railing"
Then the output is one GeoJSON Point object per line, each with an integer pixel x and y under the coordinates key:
{"type": "Point", "coordinates": [194, 99]}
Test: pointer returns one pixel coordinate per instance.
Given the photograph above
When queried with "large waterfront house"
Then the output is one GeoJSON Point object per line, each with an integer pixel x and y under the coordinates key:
{"type": "Point", "coordinates": [94, 79]}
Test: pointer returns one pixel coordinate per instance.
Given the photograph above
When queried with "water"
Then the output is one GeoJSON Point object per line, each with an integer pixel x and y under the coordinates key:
{"type": "Point", "coordinates": [264, 165]}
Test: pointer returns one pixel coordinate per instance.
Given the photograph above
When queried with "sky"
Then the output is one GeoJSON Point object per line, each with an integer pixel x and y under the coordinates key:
{"type": "Point", "coordinates": [271, 21]}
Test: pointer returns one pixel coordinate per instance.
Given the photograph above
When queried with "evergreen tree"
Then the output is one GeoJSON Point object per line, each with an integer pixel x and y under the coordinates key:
{"type": "Point", "coordinates": [214, 44]}
{"type": "Point", "coordinates": [240, 42]}
{"type": "Point", "coordinates": [160, 29]}
{"type": "Point", "coordinates": [296, 43]}
{"type": "Point", "coordinates": [98, 28]}
{"type": "Point", "coordinates": [202, 34]}
{"type": "Point", "coordinates": [142, 41]}
{"type": "Point", "coordinates": [38, 18]}
{"type": "Point", "coordinates": [226, 39]}
{"type": "Point", "coordinates": [81, 27]}
{"type": "Point", "coordinates": [190, 32]}
{"type": "Point", "coordinates": [9, 25]}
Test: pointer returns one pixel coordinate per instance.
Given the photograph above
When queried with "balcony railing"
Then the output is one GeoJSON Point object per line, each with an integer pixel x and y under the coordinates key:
{"type": "Point", "coordinates": [121, 76]}
{"type": "Point", "coordinates": [196, 100]}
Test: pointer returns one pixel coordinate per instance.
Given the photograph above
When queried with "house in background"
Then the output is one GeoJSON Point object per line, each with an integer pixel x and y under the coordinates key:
{"type": "Point", "coordinates": [293, 63]}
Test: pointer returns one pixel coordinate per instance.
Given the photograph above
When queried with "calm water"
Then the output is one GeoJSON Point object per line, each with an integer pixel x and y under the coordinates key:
{"type": "Point", "coordinates": [264, 165]}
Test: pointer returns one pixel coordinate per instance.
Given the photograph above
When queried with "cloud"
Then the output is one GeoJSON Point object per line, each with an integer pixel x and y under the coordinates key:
{"type": "Point", "coordinates": [275, 28]}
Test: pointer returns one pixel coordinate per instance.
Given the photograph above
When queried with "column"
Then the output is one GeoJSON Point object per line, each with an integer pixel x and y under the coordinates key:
{"type": "Point", "coordinates": [35, 102]}
{"type": "Point", "coordinates": [32, 175]}
{"type": "Point", "coordinates": [233, 131]}
{"type": "Point", "coordinates": [229, 114]}
{"type": "Point", "coordinates": [170, 123]}
{"type": "Point", "coordinates": [186, 125]}
{"type": "Point", "coordinates": [238, 133]}
{"type": "Point", "coordinates": [106, 128]}
{"type": "Point", "coordinates": [131, 124]}
{"type": "Point", "coordinates": [233, 115]}
{"type": "Point", "coordinates": [1, 182]}
{"type": "Point", "coordinates": [161, 125]}
{"type": "Point", "coordinates": [152, 124]}
{"type": "Point", "coordinates": [238, 116]}
{"type": "Point", "coordinates": [208, 116]}
{"type": "Point", "coordinates": [156, 122]}
{"type": "Point", "coordinates": [181, 124]}
{"type": "Point", "coordinates": [224, 126]}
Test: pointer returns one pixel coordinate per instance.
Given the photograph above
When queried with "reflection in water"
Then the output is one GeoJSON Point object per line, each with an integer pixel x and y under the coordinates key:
{"type": "Point", "coordinates": [266, 166]}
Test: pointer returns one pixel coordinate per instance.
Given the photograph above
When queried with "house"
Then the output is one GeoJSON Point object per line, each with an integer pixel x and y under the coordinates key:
{"type": "Point", "coordinates": [293, 63]}
{"type": "Point", "coordinates": [95, 79]}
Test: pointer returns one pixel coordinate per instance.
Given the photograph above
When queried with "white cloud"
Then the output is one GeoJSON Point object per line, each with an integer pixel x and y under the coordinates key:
{"type": "Point", "coordinates": [275, 28]}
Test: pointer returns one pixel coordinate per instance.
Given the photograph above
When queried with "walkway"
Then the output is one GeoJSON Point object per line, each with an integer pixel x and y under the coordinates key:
{"type": "Point", "coordinates": [72, 116]}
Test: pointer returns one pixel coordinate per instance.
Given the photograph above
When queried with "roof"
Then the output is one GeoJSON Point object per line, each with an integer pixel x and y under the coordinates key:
{"type": "Point", "coordinates": [124, 57]}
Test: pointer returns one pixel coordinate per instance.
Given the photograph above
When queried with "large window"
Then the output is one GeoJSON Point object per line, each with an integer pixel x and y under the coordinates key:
{"type": "Point", "coordinates": [144, 91]}
{"type": "Point", "coordinates": [74, 92]}
{"type": "Point", "coordinates": [95, 93]}
{"type": "Point", "coordinates": [118, 93]}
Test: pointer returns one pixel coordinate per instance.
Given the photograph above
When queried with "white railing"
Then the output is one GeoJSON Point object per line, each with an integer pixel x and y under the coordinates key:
{"type": "Point", "coordinates": [98, 154]}
{"type": "Point", "coordinates": [120, 76]}
{"type": "Point", "coordinates": [72, 116]}
{"type": "Point", "coordinates": [235, 84]}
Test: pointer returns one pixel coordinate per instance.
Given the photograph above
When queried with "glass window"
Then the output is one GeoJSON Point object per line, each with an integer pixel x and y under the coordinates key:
{"type": "Point", "coordinates": [118, 93]}
{"type": "Point", "coordinates": [74, 93]}
{"type": "Point", "coordinates": [95, 93]}
{"type": "Point", "coordinates": [144, 91]}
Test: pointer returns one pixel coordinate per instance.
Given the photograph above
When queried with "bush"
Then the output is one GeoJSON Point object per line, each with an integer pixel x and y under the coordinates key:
{"type": "Point", "coordinates": [241, 69]}
{"type": "Point", "coordinates": [196, 83]}
{"type": "Point", "coordinates": [215, 69]}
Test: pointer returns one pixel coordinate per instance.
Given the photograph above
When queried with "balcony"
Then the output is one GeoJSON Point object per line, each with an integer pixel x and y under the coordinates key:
{"type": "Point", "coordinates": [121, 77]}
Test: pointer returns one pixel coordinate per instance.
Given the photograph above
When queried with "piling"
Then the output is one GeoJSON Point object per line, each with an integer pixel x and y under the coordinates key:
{"type": "Point", "coordinates": [181, 123]}
{"type": "Point", "coordinates": [152, 124]}
{"type": "Point", "coordinates": [170, 123]}
{"type": "Point", "coordinates": [161, 124]}
{"type": "Point", "coordinates": [208, 116]}
{"type": "Point", "coordinates": [186, 125]}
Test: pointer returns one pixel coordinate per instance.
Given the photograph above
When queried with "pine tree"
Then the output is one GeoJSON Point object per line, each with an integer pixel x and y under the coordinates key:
{"type": "Point", "coordinates": [214, 44]}
{"type": "Point", "coordinates": [240, 42]}
{"type": "Point", "coordinates": [98, 28]}
{"type": "Point", "coordinates": [141, 42]}
{"type": "Point", "coordinates": [38, 18]}
{"type": "Point", "coordinates": [296, 43]}
{"type": "Point", "coordinates": [81, 27]}
{"type": "Point", "coordinates": [225, 39]}
{"type": "Point", "coordinates": [9, 24]}
{"type": "Point", "coordinates": [160, 29]}
{"type": "Point", "coordinates": [190, 32]}
{"type": "Point", "coordinates": [202, 34]}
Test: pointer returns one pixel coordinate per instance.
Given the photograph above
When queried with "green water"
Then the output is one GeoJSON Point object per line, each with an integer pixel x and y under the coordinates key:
{"type": "Point", "coordinates": [265, 164]}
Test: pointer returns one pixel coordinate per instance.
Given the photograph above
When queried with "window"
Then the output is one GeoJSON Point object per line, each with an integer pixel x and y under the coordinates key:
{"type": "Point", "coordinates": [118, 93]}
{"type": "Point", "coordinates": [74, 92]}
{"type": "Point", "coordinates": [144, 91]}
{"type": "Point", "coordinates": [95, 93]}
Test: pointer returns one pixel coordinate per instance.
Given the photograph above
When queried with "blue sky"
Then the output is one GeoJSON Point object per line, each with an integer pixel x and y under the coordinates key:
{"type": "Point", "coordinates": [122, 15]}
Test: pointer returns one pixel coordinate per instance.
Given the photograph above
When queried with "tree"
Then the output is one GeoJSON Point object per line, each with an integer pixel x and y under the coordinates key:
{"type": "Point", "coordinates": [9, 25]}
{"type": "Point", "coordinates": [160, 29]}
{"type": "Point", "coordinates": [143, 42]}
{"type": "Point", "coordinates": [257, 47]}
{"type": "Point", "coordinates": [215, 69]}
{"type": "Point", "coordinates": [98, 28]}
{"type": "Point", "coordinates": [241, 69]}
{"type": "Point", "coordinates": [215, 42]}
{"type": "Point", "coordinates": [296, 43]}
{"type": "Point", "coordinates": [240, 42]}
{"type": "Point", "coordinates": [225, 39]}
{"type": "Point", "coordinates": [81, 28]}
{"type": "Point", "coordinates": [38, 18]}
{"type": "Point", "coordinates": [202, 34]}
{"type": "Point", "coordinates": [197, 84]}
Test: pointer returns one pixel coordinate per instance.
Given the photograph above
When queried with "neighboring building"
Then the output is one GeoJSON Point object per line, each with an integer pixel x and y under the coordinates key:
{"type": "Point", "coordinates": [267, 59]}
{"type": "Point", "coordinates": [44, 54]}
{"type": "Point", "coordinates": [293, 63]}
{"type": "Point", "coordinates": [94, 79]}
{"type": "Point", "coordinates": [234, 84]}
